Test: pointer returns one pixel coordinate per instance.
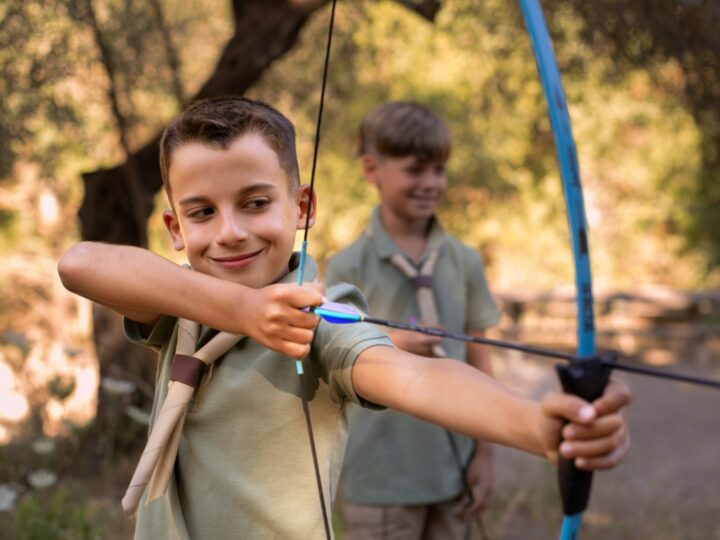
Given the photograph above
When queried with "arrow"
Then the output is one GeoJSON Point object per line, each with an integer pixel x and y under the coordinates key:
{"type": "Point", "coordinates": [335, 313]}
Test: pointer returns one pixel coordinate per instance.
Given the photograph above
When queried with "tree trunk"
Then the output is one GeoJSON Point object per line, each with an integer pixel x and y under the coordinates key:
{"type": "Point", "coordinates": [264, 31]}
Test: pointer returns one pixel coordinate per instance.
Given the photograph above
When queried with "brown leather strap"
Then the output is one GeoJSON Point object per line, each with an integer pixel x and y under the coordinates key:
{"type": "Point", "coordinates": [186, 369]}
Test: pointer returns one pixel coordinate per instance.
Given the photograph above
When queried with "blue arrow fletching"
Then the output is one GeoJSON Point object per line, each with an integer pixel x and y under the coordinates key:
{"type": "Point", "coordinates": [335, 313]}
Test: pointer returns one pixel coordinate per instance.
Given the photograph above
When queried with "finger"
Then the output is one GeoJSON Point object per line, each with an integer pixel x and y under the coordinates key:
{"type": "Point", "coordinates": [310, 294]}
{"type": "Point", "coordinates": [602, 427]}
{"type": "Point", "coordinates": [294, 350]}
{"type": "Point", "coordinates": [607, 461]}
{"type": "Point", "coordinates": [281, 317]}
{"type": "Point", "coordinates": [568, 407]}
{"type": "Point", "coordinates": [593, 448]}
{"type": "Point", "coordinates": [300, 319]}
{"type": "Point", "coordinates": [301, 336]}
{"type": "Point", "coordinates": [478, 501]}
{"type": "Point", "coordinates": [615, 397]}
{"type": "Point", "coordinates": [474, 507]}
{"type": "Point", "coordinates": [315, 289]}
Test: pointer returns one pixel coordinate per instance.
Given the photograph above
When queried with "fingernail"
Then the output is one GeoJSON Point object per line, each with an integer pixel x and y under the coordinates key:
{"type": "Point", "coordinates": [587, 413]}
{"type": "Point", "coordinates": [581, 462]}
{"type": "Point", "coordinates": [566, 449]}
{"type": "Point", "coordinates": [324, 300]}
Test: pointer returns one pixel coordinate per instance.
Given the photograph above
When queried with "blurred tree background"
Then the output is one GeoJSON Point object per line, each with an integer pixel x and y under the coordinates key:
{"type": "Point", "coordinates": [88, 84]}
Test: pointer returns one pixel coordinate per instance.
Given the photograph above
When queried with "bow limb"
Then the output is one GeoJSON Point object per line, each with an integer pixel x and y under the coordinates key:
{"type": "Point", "coordinates": [586, 378]}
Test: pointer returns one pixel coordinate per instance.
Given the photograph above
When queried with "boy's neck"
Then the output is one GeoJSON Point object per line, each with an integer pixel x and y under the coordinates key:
{"type": "Point", "coordinates": [411, 236]}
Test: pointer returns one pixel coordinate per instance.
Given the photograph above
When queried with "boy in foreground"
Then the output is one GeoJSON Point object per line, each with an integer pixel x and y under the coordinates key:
{"type": "Point", "coordinates": [243, 466]}
{"type": "Point", "coordinates": [400, 473]}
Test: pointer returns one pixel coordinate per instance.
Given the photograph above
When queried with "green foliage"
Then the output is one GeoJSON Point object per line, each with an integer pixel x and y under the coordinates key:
{"type": "Point", "coordinates": [55, 119]}
{"type": "Point", "coordinates": [639, 146]}
{"type": "Point", "coordinates": [58, 517]}
{"type": "Point", "coordinates": [646, 151]}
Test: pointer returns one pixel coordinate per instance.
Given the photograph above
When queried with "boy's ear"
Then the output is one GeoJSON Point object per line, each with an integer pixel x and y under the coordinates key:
{"type": "Point", "coordinates": [173, 226]}
{"type": "Point", "coordinates": [304, 204]}
{"type": "Point", "coordinates": [370, 165]}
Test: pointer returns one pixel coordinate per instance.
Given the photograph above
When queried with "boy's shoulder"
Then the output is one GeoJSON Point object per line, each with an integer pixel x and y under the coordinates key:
{"type": "Point", "coordinates": [362, 248]}
{"type": "Point", "coordinates": [452, 246]}
{"type": "Point", "coordinates": [349, 256]}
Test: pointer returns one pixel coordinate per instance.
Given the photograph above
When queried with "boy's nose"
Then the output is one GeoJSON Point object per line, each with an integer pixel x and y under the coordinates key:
{"type": "Point", "coordinates": [231, 230]}
{"type": "Point", "coordinates": [432, 180]}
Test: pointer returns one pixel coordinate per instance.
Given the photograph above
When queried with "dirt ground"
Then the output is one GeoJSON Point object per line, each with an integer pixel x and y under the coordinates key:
{"type": "Point", "coordinates": [667, 488]}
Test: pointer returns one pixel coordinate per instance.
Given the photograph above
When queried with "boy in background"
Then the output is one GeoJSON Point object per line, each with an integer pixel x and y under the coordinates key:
{"type": "Point", "coordinates": [402, 474]}
{"type": "Point", "coordinates": [243, 467]}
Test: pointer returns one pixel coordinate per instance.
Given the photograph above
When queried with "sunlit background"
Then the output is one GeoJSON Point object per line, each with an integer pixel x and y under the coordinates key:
{"type": "Point", "coordinates": [647, 127]}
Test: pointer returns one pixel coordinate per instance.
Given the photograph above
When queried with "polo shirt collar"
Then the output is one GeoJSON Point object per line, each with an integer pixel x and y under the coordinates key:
{"type": "Point", "coordinates": [385, 245]}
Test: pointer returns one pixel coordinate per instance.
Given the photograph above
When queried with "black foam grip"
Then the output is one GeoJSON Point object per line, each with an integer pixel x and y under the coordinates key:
{"type": "Point", "coordinates": [587, 379]}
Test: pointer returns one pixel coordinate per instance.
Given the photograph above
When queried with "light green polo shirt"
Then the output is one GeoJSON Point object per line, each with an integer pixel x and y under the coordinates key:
{"type": "Point", "coordinates": [244, 467]}
{"type": "Point", "coordinates": [393, 458]}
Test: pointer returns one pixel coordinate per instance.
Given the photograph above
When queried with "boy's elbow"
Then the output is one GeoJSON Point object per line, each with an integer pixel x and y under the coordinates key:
{"type": "Point", "coordinates": [73, 263]}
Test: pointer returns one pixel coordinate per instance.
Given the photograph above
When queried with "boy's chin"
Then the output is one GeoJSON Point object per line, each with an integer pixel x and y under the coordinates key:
{"type": "Point", "coordinates": [422, 209]}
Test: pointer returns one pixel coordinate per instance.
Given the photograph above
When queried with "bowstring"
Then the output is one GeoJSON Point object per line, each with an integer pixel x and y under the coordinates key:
{"type": "Point", "coordinates": [301, 272]}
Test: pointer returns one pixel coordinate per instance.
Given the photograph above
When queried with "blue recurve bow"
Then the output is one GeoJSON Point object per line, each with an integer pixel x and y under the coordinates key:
{"type": "Point", "coordinates": [589, 377]}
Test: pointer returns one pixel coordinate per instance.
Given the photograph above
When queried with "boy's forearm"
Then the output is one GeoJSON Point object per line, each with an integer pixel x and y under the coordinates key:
{"type": "Point", "coordinates": [143, 285]}
{"type": "Point", "coordinates": [449, 393]}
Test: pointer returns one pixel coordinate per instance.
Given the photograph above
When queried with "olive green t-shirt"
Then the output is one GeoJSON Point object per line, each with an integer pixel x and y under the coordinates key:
{"type": "Point", "coordinates": [393, 458]}
{"type": "Point", "coordinates": [244, 467]}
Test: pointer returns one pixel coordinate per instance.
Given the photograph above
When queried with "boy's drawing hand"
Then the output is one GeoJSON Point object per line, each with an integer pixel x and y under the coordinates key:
{"type": "Point", "coordinates": [415, 343]}
{"type": "Point", "coordinates": [595, 435]}
{"type": "Point", "coordinates": [278, 321]}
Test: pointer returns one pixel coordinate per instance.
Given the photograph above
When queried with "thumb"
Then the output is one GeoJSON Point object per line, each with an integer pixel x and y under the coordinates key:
{"type": "Point", "coordinates": [311, 294]}
{"type": "Point", "coordinates": [568, 407]}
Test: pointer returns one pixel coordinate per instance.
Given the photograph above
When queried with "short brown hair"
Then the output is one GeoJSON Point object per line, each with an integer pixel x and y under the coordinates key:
{"type": "Point", "coordinates": [404, 128]}
{"type": "Point", "coordinates": [219, 121]}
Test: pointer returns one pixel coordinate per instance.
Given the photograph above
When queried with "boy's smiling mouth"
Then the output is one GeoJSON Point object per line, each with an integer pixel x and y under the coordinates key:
{"type": "Point", "coordinates": [236, 261]}
{"type": "Point", "coordinates": [424, 199]}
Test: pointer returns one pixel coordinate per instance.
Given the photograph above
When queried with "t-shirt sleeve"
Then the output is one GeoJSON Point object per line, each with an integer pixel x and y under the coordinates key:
{"type": "Point", "coordinates": [153, 336]}
{"type": "Point", "coordinates": [482, 312]}
{"type": "Point", "coordinates": [337, 346]}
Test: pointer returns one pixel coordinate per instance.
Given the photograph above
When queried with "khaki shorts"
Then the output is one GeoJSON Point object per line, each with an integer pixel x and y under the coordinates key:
{"type": "Point", "coordinates": [440, 521]}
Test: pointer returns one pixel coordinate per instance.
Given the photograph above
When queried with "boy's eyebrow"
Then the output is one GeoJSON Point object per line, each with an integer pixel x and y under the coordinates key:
{"type": "Point", "coordinates": [260, 186]}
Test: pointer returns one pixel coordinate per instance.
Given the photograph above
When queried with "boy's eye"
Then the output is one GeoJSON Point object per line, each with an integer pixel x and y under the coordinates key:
{"type": "Point", "coordinates": [201, 213]}
{"type": "Point", "coordinates": [257, 204]}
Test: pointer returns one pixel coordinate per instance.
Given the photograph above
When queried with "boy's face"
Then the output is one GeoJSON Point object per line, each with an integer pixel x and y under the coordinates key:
{"type": "Point", "coordinates": [233, 210]}
{"type": "Point", "coordinates": [408, 188]}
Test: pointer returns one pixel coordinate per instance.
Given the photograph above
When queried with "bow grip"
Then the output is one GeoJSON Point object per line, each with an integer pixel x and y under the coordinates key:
{"type": "Point", "coordinates": [586, 379]}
